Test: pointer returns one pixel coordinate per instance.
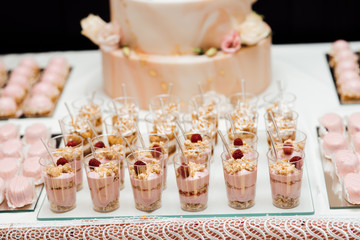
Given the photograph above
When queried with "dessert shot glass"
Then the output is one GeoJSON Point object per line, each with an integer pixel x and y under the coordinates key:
{"type": "Point", "coordinates": [195, 123]}
{"type": "Point", "coordinates": [283, 102]}
{"type": "Point", "coordinates": [121, 125]}
{"type": "Point", "coordinates": [69, 147]}
{"type": "Point", "coordinates": [109, 147]}
{"type": "Point", "coordinates": [240, 175]}
{"type": "Point", "coordinates": [202, 145]}
{"type": "Point", "coordinates": [103, 178]}
{"type": "Point", "coordinates": [90, 108]}
{"type": "Point", "coordinates": [146, 170]}
{"type": "Point", "coordinates": [283, 122]}
{"type": "Point", "coordinates": [124, 105]}
{"type": "Point", "coordinates": [192, 179]}
{"type": "Point", "coordinates": [290, 137]}
{"type": "Point", "coordinates": [286, 171]}
{"type": "Point", "coordinates": [205, 106]}
{"type": "Point", "coordinates": [165, 126]}
{"type": "Point", "coordinates": [236, 122]}
{"type": "Point", "coordinates": [158, 143]}
{"type": "Point", "coordinates": [60, 182]}
{"type": "Point", "coordinates": [79, 127]}
{"type": "Point", "coordinates": [244, 102]}
{"type": "Point", "coordinates": [165, 104]}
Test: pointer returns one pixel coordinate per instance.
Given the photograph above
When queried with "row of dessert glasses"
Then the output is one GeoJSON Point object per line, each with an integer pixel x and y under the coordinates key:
{"type": "Point", "coordinates": [162, 115]}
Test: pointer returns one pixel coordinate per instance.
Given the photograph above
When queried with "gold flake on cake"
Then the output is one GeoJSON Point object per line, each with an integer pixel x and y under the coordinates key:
{"type": "Point", "coordinates": [164, 86]}
{"type": "Point", "coordinates": [222, 73]}
{"type": "Point", "coordinates": [210, 80]}
{"type": "Point", "coordinates": [153, 73]}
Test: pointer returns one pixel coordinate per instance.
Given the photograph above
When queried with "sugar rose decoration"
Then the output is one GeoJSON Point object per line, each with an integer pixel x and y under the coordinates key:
{"type": "Point", "coordinates": [106, 35]}
{"type": "Point", "coordinates": [253, 29]}
{"type": "Point", "coordinates": [109, 37]}
{"type": "Point", "coordinates": [231, 43]}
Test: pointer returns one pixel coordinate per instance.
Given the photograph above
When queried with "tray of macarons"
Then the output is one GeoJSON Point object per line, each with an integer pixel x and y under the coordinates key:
{"type": "Point", "coordinates": [20, 172]}
{"type": "Point", "coordinates": [29, 91]}
{"type": "Point", "coordinates": [344, 67]}
{"type": "Point", "coordinates": [339, 140]}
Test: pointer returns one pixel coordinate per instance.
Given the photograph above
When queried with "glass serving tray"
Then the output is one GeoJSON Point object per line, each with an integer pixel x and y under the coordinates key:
{"type": "Point", "coordinates": [333, 185]}
{"type": "Point", "coordinates": [217, 204]}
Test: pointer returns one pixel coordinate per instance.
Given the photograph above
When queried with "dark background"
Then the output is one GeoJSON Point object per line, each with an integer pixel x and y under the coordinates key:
{"type": "Point", "coordinates": [39, 26]}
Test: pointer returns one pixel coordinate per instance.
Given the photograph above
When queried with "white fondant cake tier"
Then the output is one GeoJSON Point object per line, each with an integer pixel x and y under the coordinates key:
{"type": "Point", "coordinates": [166, 27]}
{"type": "Point", "coordinates": [148, 75]}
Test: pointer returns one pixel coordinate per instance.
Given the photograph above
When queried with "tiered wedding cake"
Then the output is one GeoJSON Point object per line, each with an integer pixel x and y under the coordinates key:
{"type": "Point", "coordinates": [151, 43]}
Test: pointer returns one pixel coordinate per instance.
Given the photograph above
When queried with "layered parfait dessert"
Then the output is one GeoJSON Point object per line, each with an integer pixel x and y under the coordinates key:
{"type": "Point", "coordinates": [200, 124]}
{"type": "Point", "coordinates": [70, 148]}
{"type": "Point", "coordinates": [159, 143]}
{"type": "Point", "coordinates": [197, 147]}
{"type": "Point", "coordinates": [286, 123]}
{"type": "Point", "coordinates": [104, 183]}
{"type": "Point", "coordinates": [285, 178]}
{"type": "Point", "coordinates": [146, 169]}
{"type": "Point", "coordinates": [163, 125]}
{"type": "Point", "coordinates": [79, 127]}
{"type": "Point", "coordinates": [90, 109]}
{"type": "Point", "coordinates": [240, 174]}
{"type": "Point", "coordinates": [108, 151]}
{"type": "Point", "coordinates": [59, 179]}
{"type": "Point", "coordinates": [193, 182]}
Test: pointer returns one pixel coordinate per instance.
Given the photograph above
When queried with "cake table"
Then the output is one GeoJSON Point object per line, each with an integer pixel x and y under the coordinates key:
{"type": "Point", "coordinates": [303, 70]}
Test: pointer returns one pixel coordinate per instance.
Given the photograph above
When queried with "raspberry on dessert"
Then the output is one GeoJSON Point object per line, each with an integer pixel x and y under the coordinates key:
{"type": "Point", "coordinates": [238, 142]}
{"type": "Point", "coordinates": [61, 161]}
{"type": "Point", "coordinates": [288, 148]}
{"type": "Point", "coordinates": [100, 144]}
{"type": "Point", "coordinates": [157, 150]}
{"type": "Point", "coordinates": [94, 162]}
{"type": "Point", "coordinates": [237, 154]}
{"type": "Point", "coordinates": [71, 143]}
{"type": "Point", "coordinates": [184, 170]}
{"type": "Point", "coordinates": [195, 138]}
{"type": "Point", "coordinates": [296, 161]}
{"type": "Point", "coordinates": [139, 167]}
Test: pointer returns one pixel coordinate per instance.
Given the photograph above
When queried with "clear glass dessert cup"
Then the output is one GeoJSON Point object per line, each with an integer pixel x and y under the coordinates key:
{"type": "Point", "coordinates": [121, 125]}
{"type": "Point", "coordinates": [244, 139]}
{"type": "Point", "coordinates": [241, 122]}
{"type": "Point", "coordinates": [90, 107]}
{"type": "Point", "coordinates": [71, 148]}
{"type": "Point", "coordinates": [286, 172]}
{"type": "Point", "coordinates": [195, 123]}
{"type": "Point", "coordinates": [192, 179]}
{"type": "Point", "coordinates": [80, 127]}
{"type": "Point", "coordinates": [280, 102]}
{"type": "Point", "coordinates": [155, 142]}
{"type": "Point", "coordinates": [240, 180]}
{"type": "Point", "coordinates": [124, 105]}
{"type": "Point", "coordinates": [103, 178]}
{"type": "Point", "coordinates": [164, 104]}
{"type": "Point", "coordinates": [59, 181]}
{"type": "Point", "coordinates": [201, 144]}
{"type": "Point", "coordinates": [284, 123]}
{"type": "Point", "coordinates": [146, 170]}
{"type": "Point", "coordinates": [205, 106]}
{"type": "Point", "coordinates": [165, 126]}
{"type": "Point", "coordinates": [109, 147]}
{"type": "Point", "coordinates": [247, 100]}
